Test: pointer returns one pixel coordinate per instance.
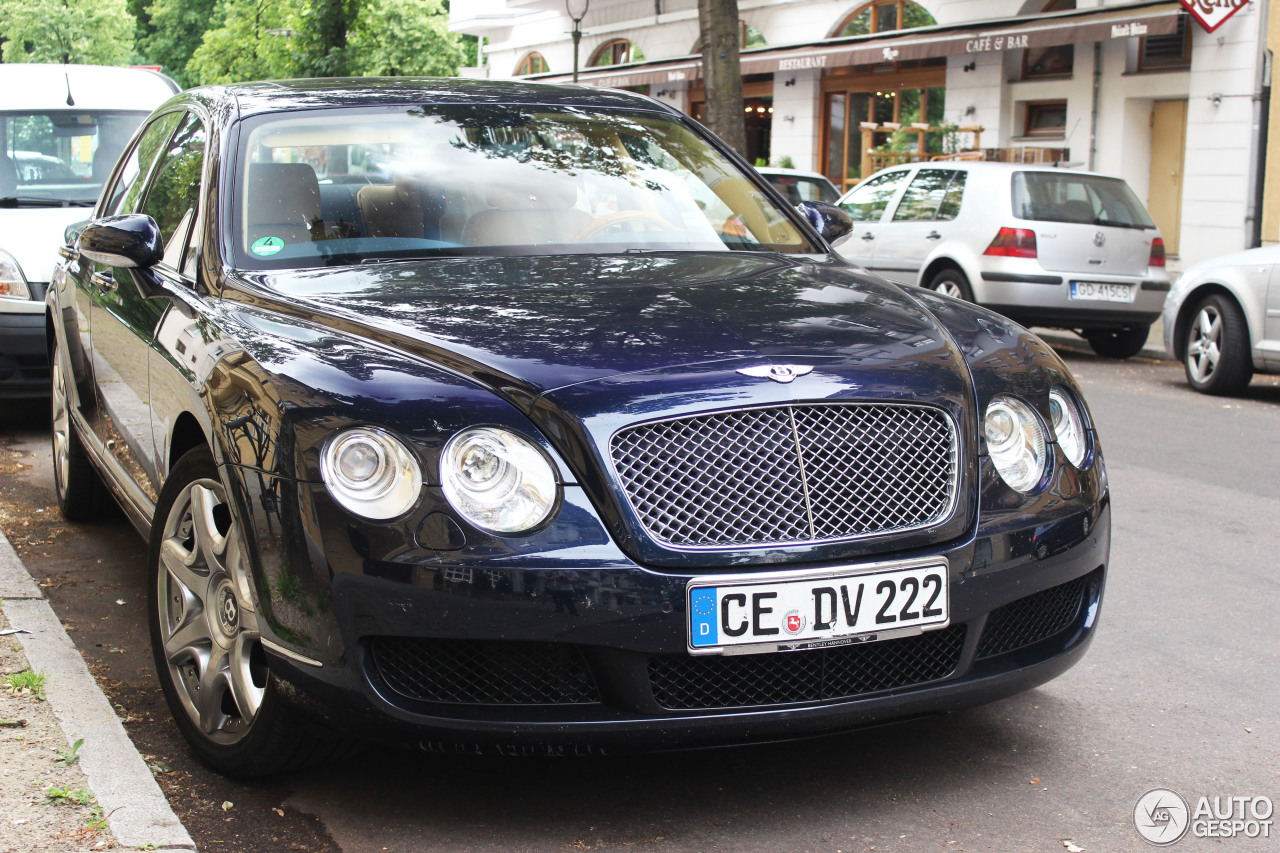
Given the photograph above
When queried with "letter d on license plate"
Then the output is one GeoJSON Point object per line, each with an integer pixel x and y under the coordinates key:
{"type": "Point", "coordinates": [746, 614]}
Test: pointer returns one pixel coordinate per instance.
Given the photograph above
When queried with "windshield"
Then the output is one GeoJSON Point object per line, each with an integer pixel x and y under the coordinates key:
{"type": "Point", "coordinates": [60, 157]}
{"type": "Point", "coordinates": [1086, 199]}
{"type": "Point", "coordinates": [348, 185]}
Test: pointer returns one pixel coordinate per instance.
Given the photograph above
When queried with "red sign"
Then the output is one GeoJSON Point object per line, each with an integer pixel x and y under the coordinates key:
{"type": "Point", "coordinates": [1213, 13]}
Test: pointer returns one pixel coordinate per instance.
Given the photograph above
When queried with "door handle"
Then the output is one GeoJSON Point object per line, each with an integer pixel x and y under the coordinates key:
{"type": "Point", "coordinates": [933, 235]}
{"type": "Point", "coordinates": [104, 281]}
{"type": "Point", "coordinates": [68, 253]}
{"type": "Point", "coordinates": [868, 237]}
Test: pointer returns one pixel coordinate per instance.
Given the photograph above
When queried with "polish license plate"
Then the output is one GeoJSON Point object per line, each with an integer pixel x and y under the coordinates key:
{"type": "Point", "coordinates": [747, 614]}
{"type": "Point", "coordinates": [1097, 291]}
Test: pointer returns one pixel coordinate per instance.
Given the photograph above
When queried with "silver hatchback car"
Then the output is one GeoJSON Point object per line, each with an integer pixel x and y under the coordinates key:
{"type": "Point", "coordinates": [1222, 320]}
{"type": "Point", "coordinates": [1043, 246]}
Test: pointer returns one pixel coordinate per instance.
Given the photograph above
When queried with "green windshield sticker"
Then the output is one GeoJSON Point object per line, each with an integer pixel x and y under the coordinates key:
{"type": "Point", "coordinates": [266, 246]}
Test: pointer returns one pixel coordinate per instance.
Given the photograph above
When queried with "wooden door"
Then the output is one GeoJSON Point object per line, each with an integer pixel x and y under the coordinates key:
{"type": "Point", "coordinates": [1168, 151]}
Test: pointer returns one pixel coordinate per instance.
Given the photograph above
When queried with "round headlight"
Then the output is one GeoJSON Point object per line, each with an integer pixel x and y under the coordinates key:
{"type": "Point", "coordinates": [371, 473]}
{"type": "Point", "coordinates": [497, 480]}
{"type": "Point", "coordinates": [1068, 427]}
{"type": "Point", "coordinates": [1015, 442]}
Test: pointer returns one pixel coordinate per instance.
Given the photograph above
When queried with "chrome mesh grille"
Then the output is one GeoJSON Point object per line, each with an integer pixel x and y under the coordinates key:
{"type": "Point", "coordinates": [789, 473]}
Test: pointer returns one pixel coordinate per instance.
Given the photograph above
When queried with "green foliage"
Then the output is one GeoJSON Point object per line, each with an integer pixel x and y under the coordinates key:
{"type": "Point", "coordinates": [404, 37]}
{"type": "Point", "coordinates": [321, 34]}
{"type": "Point", "coordinates": [98, 32]}
{"type": "Point", "coordinates": [177, 28]}
{"type": "Point", "coordinates": [785, 162]}
{"type": "Point", "coordinates": [252, 43]}
{"type": "Point", "coordinates": [68, 757]}
{"type": "Point", "coordinates": [67, 795]}
{"type": "Point", "coordinates": [25, 683]}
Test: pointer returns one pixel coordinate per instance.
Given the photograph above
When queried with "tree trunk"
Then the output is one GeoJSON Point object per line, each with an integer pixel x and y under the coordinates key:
{"type": "Point", "coordinates": [722, 71]}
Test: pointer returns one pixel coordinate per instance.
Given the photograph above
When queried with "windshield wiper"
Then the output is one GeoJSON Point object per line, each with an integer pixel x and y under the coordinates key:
{"type": "Point", "coordinates": [35, 201]}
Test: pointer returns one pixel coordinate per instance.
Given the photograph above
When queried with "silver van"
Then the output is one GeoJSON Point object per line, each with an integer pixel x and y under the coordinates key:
{"type": "Point", "coordinates": [62, 128]}
{"type": "Point", "coordinates": [1041, 245]}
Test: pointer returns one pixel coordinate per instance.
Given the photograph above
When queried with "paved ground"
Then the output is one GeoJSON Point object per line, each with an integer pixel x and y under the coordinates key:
{"type": "Point", "coordinates": [1179, 690]}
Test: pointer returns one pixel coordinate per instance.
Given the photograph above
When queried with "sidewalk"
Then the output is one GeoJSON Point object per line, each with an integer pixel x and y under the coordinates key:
{"type": "Point", "coordinates": [139, 816]}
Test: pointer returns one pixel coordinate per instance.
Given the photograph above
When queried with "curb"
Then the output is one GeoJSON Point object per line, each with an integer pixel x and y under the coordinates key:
{"type": "Point", "coordinates": [1059, 339]}
{"type": "Point", "coordinates": [138, 813]}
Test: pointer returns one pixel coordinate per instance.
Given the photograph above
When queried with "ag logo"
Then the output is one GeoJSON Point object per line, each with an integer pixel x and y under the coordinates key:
{"type": "Point", "coordinates": [793, 622]}
{"type": "Point", "coordinates": [1213, 13]}
{"type": "Point", "coordinates": [1161, 816]}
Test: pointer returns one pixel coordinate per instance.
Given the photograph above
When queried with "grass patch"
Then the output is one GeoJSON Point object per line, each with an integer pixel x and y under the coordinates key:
{"type": "Point", "coordinates": [67, 796]}
{"type": "Point", "coordinates": [25, 683]}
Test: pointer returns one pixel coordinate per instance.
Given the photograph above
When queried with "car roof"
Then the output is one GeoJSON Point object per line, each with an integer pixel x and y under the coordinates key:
{"type": "Point", "coordinates": [993, 167]}
{"type": "Point", "coordinates": [291, 95]}
{"type": "Point", "coordinates": [46, 86]}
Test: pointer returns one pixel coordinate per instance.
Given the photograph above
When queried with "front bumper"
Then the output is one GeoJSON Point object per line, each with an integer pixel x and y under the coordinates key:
{"type": "Point", "coordinates": [24, 359]}
{"type": "Point", "coordinates": [561, 660]}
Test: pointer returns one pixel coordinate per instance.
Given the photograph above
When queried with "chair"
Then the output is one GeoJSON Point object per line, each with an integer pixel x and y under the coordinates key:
{"type": "Point", "coordinates": [283, 200]}
{"type": "Point", "coordinates": [405, 208]}
{"type": "Point", "coordinates": [529, 213]}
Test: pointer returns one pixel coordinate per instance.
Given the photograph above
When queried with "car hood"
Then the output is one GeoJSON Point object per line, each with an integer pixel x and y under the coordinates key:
{"type": "Point", "coordinates": [528, 325]}
{"type": "Point", "coordinates": [33, 234]}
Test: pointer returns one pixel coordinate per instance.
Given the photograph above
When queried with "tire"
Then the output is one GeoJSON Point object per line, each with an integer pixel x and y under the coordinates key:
{"type": "Point", "coordinates": [204, 634]}
{"type": "Point", "coordinates": [1216, 358]}
{"type": "Point", "coordinates": [1117, 343]}
{"type": "Point", "coordinates": [80, 491]}
{"type": "Point", "coordinates": [951, 282]}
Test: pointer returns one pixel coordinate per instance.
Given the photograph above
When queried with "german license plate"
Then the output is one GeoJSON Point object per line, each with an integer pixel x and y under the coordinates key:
{"type": "Point", "coordinates": [1097, 291]}
{"type": "Point", "coordinates": [747, 614]}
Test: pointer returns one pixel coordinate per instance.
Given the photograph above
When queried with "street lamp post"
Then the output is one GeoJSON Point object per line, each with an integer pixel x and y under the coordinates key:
{"type": "Point", "coordinates": [577, 10]}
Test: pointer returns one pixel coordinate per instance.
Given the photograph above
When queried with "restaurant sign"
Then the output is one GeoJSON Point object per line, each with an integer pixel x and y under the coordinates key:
{"type": "Point", "coordinates": [1213, 13]}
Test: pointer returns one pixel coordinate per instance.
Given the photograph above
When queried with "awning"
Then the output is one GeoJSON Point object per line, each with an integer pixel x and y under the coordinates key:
{"type": "Point", "coordinates": [1073, 27]}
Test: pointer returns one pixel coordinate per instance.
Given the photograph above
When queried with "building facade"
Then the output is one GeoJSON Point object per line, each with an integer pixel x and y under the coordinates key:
{"type": "Point", "coordinates": [1135, 89]}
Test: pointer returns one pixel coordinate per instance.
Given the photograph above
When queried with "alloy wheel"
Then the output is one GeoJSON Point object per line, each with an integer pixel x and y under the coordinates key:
{"type": "Point", "coordinates": [1204, 345]}
{"type": "Point", "coordinates": [208, 626]}
{"type": "Point", "coordinates": [61, 428]}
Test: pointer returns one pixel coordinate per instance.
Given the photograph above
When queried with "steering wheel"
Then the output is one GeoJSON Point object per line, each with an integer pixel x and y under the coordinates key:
{"type": "Point", "coordinates": [623, 216]}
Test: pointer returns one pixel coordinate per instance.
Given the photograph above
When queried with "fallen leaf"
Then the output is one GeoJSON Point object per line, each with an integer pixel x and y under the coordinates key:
{"type": "Point", "coordinates": [279, 812]}
{"type": "Point", "coordinates": [119, 601]}
{"type": "Point", "coordinates": [227, 805]}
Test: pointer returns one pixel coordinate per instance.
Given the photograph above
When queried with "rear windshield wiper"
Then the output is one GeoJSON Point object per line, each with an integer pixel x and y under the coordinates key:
{"type": "Point", "coordinates": [36, 201]}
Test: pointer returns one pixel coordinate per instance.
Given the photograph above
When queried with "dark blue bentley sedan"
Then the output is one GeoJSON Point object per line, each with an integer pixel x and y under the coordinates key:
{"type": "Point", "coordinates": [529, 418]}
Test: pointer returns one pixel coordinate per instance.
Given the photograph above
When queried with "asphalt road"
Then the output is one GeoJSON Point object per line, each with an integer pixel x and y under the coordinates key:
{"type": "Point", "coordinates": [1181, 690]}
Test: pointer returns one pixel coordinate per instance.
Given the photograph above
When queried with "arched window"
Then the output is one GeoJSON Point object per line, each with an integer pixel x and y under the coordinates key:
{"type": "Point", "coordinates": [534, 63]}
{"type": "Point", "coordinates": [882, 16]}
{"type": "Point", "coordinates": [1053, 60]}
{"type": "Point", "coordinates": [616, 52]}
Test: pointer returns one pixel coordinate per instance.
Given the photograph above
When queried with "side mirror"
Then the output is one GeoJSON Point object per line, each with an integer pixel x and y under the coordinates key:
{"type": "Point", "coordinates": [129, 241]}
{"type": "Point", "coordinates": [827, 219]}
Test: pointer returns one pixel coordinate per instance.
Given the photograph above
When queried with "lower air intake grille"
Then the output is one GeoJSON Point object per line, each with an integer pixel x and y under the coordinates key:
{"type": "Point", "coordinates": [683, 682]}
{"type": "Point", "coordinates": [1032, 619]}
{"type": "Point", "coordinates": [484, 673]}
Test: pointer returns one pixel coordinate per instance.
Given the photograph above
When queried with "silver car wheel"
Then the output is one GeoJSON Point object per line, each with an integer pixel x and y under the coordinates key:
{"type": "Point", "coordinates": [61, 429]}
{"type": "Point", "coordinates": [950, 288]}
{"type": "Point", "coordinates": [1205, 344]}
{"type": "Point", "coordinates": [208, 627]}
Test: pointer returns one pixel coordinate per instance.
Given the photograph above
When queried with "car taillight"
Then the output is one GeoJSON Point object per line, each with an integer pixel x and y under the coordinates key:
{"type": "Point", "coordinates": [1157, 253]}
{"type": "Point", "coordinates": [1013, 243]}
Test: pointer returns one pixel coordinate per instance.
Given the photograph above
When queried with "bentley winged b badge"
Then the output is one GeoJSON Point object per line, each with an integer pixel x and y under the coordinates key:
{"type": "Point", "coordinates": [777, 372]}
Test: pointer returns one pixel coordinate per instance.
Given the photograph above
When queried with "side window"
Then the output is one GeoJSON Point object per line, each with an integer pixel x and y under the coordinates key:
{"type": "Point", "coordinates": [954, 196]}
{"type": "Point", "coordinates": [868, 201]}
{"type": "Point", "coordinates": [924, 196]}
{"type": "Point", "coordinates": [123, 195]}
{"type": "Point", "coordinates": [175, 189]}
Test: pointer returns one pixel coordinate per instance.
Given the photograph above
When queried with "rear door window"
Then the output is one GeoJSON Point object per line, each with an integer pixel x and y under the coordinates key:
{"type": "Point", "coordinates": [868, 202]}
{"type": "Point", "coordinates": [924, 197]}
{"type": "Point", "coordinates": [1084, 199]}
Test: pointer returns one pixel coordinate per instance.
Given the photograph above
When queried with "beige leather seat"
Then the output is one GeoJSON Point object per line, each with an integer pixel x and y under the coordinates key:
{"type": "Point", "coordinates": [283, 200]}
{"type": "Point", "coordinates": [393, 210]}
{"type": "Point", "coordinates": [527, 214]}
